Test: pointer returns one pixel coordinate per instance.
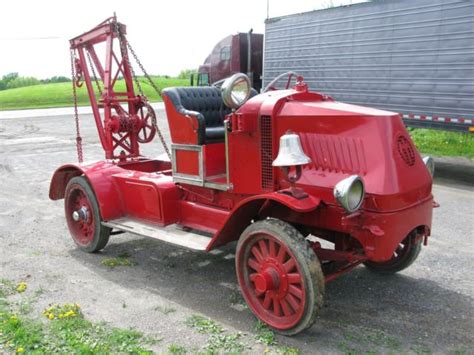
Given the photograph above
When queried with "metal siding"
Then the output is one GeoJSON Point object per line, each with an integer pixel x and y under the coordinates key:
{"type": "Point", "coordinates": [413, 56]}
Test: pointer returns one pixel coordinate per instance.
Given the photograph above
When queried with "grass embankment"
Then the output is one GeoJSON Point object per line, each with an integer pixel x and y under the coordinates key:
{"type": "Point", "coordinates": [60, 94]}
{"type": "Point", "coordinates": [440, 143]}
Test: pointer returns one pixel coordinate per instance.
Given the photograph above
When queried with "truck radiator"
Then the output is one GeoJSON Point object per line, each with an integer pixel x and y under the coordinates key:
{"type": "Point", "coordinates": [266, 151]}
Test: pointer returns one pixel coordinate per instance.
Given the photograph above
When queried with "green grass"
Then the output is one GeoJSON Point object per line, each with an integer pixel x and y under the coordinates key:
{"type": "Point", "coordinates": [441, 143]}
{"type": "Point", "coordinates": [264, 335]}
{"type": "Point", "coordinates": [177, 349]}
{"type": "Point", "coordinates": [74, 335]}
{"type": "Point", "coordinates": [203, 325]}
{"type": "Point", "coordinates": [64, 331]}
{"type": "Point", "coordinates": [121, 260]}
{"type": "Point", "coordinates": [60, 94]}
{"type": "Point", "coordinates": [224, 343]}
{"type": "Point", "coordinates": [218, 341]}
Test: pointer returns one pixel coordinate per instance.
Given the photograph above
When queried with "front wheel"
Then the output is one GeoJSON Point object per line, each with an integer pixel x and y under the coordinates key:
{"type": "Point", "coordinates": [279, 275]}
{"type": "Point", "coordinates": [83, 216]}
{"type": "Point", "coordinates": [403, 256]}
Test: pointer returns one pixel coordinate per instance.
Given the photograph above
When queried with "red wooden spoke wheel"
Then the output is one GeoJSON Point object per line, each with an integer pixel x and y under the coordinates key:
{"type": "Point", "coordinates": [147, 127]}
{"type": "Point", "coordinates": [403, 256]}
{"type": "Point", "coordinates": [83, 217]}
{"type": "Point", "coordinates": [279, 275]}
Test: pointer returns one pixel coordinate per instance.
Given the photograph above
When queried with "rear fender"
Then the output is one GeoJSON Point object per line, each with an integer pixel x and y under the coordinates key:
{"type": "Point", "coordinates": [255, 207]}
{"type": "Point", "coordinates": [99, 176]}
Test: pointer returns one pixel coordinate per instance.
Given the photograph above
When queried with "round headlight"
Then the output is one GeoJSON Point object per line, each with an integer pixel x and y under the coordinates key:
{"type": "Point", "coordinates": [236, 90]}
{"type": "Point", "coordinates": [350, 193]}
{"type": "Point", "coordinates": [430, 164]}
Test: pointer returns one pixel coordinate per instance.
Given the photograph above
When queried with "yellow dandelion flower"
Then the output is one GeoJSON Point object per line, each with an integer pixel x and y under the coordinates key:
{"type": "Point", "coordinates": [50, 316]}
{"type": "Point", "coordinates": [20, 350]}
{"type": "Point", "coordinates": [21, 287]}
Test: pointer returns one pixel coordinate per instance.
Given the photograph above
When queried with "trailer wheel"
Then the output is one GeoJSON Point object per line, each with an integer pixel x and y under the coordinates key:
{"type": "Point", "coordinates": [279, 275]}
{"type": "Point", "coordinates": [405, 254]}
{"type": "Point", "coordinates": [83, 217]}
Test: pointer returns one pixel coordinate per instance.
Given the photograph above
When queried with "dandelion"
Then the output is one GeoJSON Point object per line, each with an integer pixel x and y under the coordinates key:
{"type": "Point", "coordinates": [70, 313]}
{"type": "Point", "coordinates": [20, 350]}
{"type": "Point", "coordinates": [21, 287]}
{"type": "Point", "coordinates": [50, 316]}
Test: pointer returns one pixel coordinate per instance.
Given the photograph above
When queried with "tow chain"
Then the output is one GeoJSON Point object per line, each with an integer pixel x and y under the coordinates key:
{"type": "Point", "coordinates": [124, 45]}
{"type": "Point", "coordinates": [76, 114]}
{"type": "Point", "coordinates": [89, 59]}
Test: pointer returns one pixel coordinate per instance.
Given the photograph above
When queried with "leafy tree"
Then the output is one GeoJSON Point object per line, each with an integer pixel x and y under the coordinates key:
{"type": "Point", "coordinates": [186, 73]}
{"type": "Point", "coordinates": [6, 79]}
{"type": "Point", "coordinates": [56, 79]}
{"type": "Point", "coordinates": [21, 81]}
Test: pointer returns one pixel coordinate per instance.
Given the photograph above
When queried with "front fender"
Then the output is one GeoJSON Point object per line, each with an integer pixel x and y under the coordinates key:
{"type": "Point", "coordinates": [99, 176]}
{"type": "Point", "coordinates": [249, 209]}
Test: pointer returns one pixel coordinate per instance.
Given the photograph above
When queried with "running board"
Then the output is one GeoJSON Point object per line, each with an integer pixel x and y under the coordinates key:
{"type": "Point", "coordinates": [171, 234]}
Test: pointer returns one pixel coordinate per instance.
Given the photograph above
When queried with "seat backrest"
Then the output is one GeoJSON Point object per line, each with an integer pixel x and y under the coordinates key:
{"type": "Point", "coordinates": [205, 99]}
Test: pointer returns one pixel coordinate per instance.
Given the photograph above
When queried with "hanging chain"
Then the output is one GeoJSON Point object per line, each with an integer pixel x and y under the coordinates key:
{"type": "Point", "coordinates": [89, 59]}
{"type": "Point", "coordinates": [76, 114]}
{"type": "Point", "coordinates": [124, 44]}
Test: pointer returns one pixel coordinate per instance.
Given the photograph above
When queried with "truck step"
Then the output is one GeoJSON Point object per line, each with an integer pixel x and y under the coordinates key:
{"type": "Point", "coordinates": [170, 234]}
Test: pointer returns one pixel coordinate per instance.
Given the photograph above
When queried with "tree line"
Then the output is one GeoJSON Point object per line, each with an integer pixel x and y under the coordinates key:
{"type": "Point", "coordinates": [13, 80]}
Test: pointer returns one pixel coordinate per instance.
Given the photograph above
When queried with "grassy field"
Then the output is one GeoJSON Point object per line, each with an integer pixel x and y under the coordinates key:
{"type": "Point", "coordinates": [60, 94]}
{"type": "Point", "coordinates": [440, 143]}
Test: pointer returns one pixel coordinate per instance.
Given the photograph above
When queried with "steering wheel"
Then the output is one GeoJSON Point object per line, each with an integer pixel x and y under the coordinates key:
{"type": "Point", "coordinates": [147, 119]}
{"type": "Point", "coordinates": [271, 85]}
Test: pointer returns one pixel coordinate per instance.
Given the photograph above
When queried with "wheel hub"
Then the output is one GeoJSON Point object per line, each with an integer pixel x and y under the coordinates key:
{"type": "Point", "coordinates": [268, 280]}
{"type": "Point", "coordinates": [81, 214]}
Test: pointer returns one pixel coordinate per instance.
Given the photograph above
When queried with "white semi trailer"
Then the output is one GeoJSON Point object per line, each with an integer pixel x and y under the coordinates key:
{"type": "Point", "coordinates": [415, 57]}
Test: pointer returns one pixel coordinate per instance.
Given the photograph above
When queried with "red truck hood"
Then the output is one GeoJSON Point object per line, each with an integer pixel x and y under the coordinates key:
{"type": "Point", "coordinates": [343, 140]}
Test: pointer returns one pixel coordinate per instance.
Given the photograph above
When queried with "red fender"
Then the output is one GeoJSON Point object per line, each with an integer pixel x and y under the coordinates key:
{"type": "Point", "coordinates": [249, 208]}
{"type": "Point", "coordinates": [99, 175]}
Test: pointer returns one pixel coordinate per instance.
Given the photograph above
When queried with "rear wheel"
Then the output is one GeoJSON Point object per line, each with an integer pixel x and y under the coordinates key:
{"type": "Point", "coordinates": [405, 254]}
{"type": "Point", "coordinates": [279, 275]}
{"type": "Point", "coordinates": [83, 216]}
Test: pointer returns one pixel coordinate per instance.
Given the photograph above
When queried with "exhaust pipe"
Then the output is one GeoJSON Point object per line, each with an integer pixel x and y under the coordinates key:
{"type": "Point", "coordinates": [249, 56]}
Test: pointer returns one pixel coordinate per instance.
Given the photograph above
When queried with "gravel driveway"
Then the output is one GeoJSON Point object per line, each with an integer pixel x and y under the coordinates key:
{"type": "Point", "coordinates": [426, 308]}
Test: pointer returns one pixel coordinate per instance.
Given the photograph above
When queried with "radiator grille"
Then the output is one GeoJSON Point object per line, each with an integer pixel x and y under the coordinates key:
{"type": "Point", "coordinates": [266, 151]}
{"type": "Point", "coordinates": [406, 151]}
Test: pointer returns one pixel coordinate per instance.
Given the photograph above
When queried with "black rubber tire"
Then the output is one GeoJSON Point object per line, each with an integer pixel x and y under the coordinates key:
{"type": "Point", "coordinates": [404, 259]}
{"type": "Point", "coordinates": [101, 233]}
{"type": "Point", "coordinates": [313, 277]}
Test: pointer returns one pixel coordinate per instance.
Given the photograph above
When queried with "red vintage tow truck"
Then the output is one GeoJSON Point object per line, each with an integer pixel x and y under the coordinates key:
{"type": "Point", "coordinates": [285, 173]}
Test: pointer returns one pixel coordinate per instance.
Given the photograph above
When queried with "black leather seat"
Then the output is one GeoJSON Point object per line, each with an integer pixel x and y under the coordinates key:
{"type": "Point", "coordinates": [205, 103]}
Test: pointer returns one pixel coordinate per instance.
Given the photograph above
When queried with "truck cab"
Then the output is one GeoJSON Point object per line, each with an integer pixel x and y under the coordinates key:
{"type": "Point", "coordinates": [238, 53]}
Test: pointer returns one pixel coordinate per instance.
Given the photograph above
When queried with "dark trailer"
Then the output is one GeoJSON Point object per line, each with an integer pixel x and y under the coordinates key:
{"type": "Point", "coordinates": [415, 57]}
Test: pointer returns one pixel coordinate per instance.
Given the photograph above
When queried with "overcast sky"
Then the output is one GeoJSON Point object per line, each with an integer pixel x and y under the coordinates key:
{"type": "Point", "coordinates": [167, 35]}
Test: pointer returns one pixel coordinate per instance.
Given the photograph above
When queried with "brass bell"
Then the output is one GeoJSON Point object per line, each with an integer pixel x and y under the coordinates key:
{"type": "Point", "coordinates": [290, 152]}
